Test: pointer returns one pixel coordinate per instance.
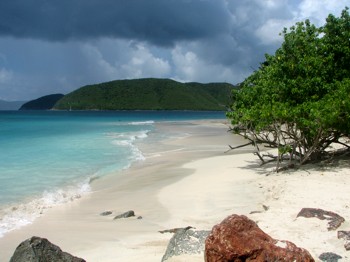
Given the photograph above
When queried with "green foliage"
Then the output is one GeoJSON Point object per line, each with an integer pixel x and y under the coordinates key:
{"type": "Point", "coordinates": [299, 99]}
{"type": "Point", "coordinates": [148, 94]}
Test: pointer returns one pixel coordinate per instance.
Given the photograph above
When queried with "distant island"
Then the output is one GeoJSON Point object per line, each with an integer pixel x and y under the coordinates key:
{"type": "Point", "coordinates": [42, 103]}
{"type": "Point", "coordinates": [10, 105]}
{"type": "Point", "coordinates": [148, 94]}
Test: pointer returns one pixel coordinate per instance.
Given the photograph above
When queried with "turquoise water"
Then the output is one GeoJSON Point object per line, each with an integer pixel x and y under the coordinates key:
{"type": "Point", "coordinates": [48, 157]}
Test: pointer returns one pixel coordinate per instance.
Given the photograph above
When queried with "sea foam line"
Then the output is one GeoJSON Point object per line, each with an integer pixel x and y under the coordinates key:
{"type": "Point", "coordinates": [140, 123]}
{"type": "Point", "coordinates": [128, 140]}
{"type": "Point", "coordinates": [20, 215]}
{"type": "Point", "coordinates": [135, 123]}
{"type": "Point", "coordinates": [17, 216]}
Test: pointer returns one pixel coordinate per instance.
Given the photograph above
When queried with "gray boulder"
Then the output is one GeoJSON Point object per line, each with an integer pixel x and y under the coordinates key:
{"type": "Point", "coordinates": [329, 257]}
{"type": "Point", "coordinates": [36, 249]}
{"type": "Point", "coordinates": [186, 241]}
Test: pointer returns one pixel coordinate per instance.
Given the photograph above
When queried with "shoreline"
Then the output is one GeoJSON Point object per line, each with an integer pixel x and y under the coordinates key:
{"type": "Point", "coordinates": [129, 187]}
{"type": "Point", "coordinates": [188, 180]}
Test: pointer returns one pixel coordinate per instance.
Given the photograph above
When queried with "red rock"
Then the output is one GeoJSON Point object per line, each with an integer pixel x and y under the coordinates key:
{"type": "Point", "coordinates": [238, 239]}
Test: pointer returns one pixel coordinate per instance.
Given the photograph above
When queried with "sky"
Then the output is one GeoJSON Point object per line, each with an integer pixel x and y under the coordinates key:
{"type": "Point", "coordinates": [49, 46]}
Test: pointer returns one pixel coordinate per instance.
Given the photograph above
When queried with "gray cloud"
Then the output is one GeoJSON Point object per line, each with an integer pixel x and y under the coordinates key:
{"type": "Point", "coordinates": [156, 21]}
{"type": "Point", "coordinates": [57, 46]}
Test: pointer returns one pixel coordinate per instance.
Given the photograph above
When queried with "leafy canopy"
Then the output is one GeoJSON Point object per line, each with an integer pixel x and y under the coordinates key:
{"type": "Point", "coordinates": [299, 98]}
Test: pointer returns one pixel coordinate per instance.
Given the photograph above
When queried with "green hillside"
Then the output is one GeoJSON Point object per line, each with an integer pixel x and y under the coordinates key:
{"type": "Point", "coordinates": [148, 94]}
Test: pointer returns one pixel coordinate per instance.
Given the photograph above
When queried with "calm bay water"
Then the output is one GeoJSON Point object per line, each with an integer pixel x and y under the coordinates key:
{"type": "Point", "coordinates": [48, 157]}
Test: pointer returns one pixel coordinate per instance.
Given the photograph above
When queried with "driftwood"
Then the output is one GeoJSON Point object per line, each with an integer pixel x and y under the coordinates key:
{"type": "Point", "coordinates": [335, 220]}
{"type": "Point", "coordinates": [240, 146]}
{"type": "Point", "coordinates": [174, 230]}
{"type": "Point", "coordinates": [260, 211]}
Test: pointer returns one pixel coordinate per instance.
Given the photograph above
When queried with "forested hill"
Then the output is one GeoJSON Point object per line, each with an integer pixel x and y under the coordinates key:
{"type": "Point", "coordinates": [42, 103]}
{"type": "Point", "coordinates": [148, 94]}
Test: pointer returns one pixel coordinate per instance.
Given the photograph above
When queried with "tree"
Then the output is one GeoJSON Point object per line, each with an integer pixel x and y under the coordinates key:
{"type": "Point", "coordinates": [299, 99]}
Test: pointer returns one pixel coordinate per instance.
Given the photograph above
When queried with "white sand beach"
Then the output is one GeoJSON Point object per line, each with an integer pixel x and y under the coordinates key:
{"type": "Point", "coordinates": [189, 180]}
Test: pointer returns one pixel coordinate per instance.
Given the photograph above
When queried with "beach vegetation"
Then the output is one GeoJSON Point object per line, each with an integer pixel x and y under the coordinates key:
{"type": "Point", "coordinates": [298, 101]}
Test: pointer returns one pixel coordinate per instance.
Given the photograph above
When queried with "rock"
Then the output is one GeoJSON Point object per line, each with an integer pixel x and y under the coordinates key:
{"type": "Point", "coordinates": [266, 207]}
{"type": "Point", "coordinates": [125, 215]}
{"type": "Point", "coordinates": [329, 257]}
{"type": "Point", "coordinates": [346, 236]}
{"type": "Point", "coordinates": [237, 238]}
{"type": "Point", "coordinates": [106, 213]}
{"type": "Point", "coordinates": [36, 249]}
{"type": "Point", "coordinates": [347, 245]}
{"type": "Point", "coordinates": [334, 219]}
{"type": "Point", "coordinates": [139, 217]}
{"type": "Point", "coordinates": [185, 241]}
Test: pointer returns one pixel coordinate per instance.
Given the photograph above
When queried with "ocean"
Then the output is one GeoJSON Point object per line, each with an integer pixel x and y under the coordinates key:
{"type": "Point", "coordinates": [48, 158]}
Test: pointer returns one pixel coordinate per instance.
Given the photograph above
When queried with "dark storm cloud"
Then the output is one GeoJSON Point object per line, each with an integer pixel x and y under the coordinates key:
{"type": "Point", "coordinates": [161, 22]}
{"type": "Point", "coordinates": [56, 46]}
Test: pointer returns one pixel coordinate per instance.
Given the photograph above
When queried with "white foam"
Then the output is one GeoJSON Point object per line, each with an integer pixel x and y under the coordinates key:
{"type": "Point", "coordinates": [135, 123]}
{"type": "Point", "coordinates": [132, 136]}
{"type": "Point", "coordinates": [141, 123]}
{"type": "Point", "coordinates": [122, 142]}
{"type": "Point", "coordinates": [138, 155]}
{"type": "Point", "coordinates": [23, 214]}
{"type": "Point", "coordinates": [128, 139]}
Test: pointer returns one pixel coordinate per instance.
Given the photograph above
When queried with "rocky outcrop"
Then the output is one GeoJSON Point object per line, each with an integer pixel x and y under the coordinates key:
{"type": "Point", "coordinates": [334, 219]}
{"type": "Point", "coordinates": [37, 249]}
{"type": "Point", "coordinates": [237, 238]}
{"type": "Point", "coordinates": [185, 241]}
